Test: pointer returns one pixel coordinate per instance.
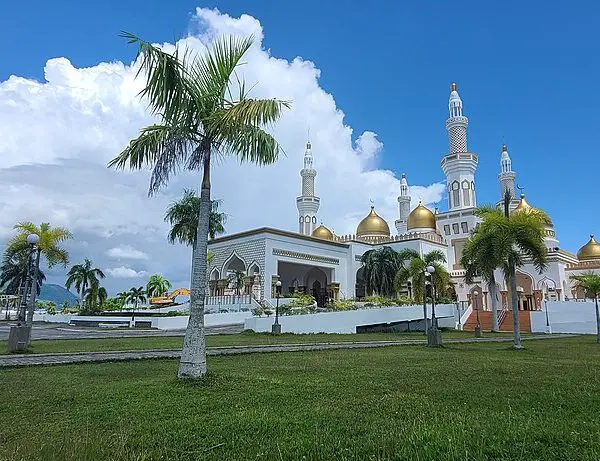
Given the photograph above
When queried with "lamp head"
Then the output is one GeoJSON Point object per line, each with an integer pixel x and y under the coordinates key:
{"type": "Point", "coordinates": [430, 269]}
{"type": "Point", "coordinates": [278, 283]}
{"type": "Point", "coordinates": [33, 239]}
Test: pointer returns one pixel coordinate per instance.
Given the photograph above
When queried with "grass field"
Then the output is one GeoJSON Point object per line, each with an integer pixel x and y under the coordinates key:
{"type": "Point", "coordinates": [243, 339]}
{"type": "Point", "coordinates": [462, 402]}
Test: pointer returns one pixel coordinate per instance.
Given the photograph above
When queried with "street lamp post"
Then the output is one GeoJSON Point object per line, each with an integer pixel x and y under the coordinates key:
{"type": "Point", "coordinates": [276, 327]}
{"type": "Point", "coordinates": [548, 329]}
{"type": "Point", "coordinates": [425, 282]}
{"type": "Point", "coordinates": [434, 335]}
{"type": "Point", "coordinates": [478, 333]}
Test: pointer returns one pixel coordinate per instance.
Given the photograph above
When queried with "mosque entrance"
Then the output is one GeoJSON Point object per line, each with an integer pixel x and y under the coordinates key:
{"type": "Point", "coordinates": [305, 279]}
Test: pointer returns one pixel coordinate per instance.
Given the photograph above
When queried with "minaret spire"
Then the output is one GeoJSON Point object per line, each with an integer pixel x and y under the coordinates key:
{"type": "Point", "coordinates": [459, 164]}
{"type": "Point", "coordinates": [403, 206]}
{"type": "Point", "coordinates": [507, 176]}
{"type": "Point", "coordinates": [307, 203]}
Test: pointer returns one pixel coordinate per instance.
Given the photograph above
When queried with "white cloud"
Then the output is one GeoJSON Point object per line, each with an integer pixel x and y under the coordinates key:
{"type": "Point", "coordinates": [57, 136]}
{"type": "Point", "coordinates": [126, 252]}
{"type": "Point", "coordinates": [123, 272]}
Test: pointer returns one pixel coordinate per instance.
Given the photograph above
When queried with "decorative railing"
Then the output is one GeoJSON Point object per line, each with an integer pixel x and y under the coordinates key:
{"type": "Point", "coordinates": [229, 303]}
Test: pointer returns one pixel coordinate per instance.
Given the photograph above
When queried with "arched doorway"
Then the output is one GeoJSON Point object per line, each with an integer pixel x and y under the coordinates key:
{"type": "Point", "coordinates": [234, 271]}
{"type": "Point", "coordinates": [360, 289]}
{"type": "Point", "coordinates": [476, 297]}
{"type": "Point", "coordinates": [525, 292]}
{"type": "Point", "coordinates": [316, 279]}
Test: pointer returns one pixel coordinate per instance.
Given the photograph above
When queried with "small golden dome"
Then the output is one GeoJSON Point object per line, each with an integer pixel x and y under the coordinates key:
{"type": "Point", "coordinates": [322, 232]}
{"type": "Point", "coordinates": [525, 206]}
{"type": "Point", "coordinates": [421, 218]}
{"type": "Point", "coordinates": [373, 226]}
{"type": "Point", "coordinates": [589, 251]}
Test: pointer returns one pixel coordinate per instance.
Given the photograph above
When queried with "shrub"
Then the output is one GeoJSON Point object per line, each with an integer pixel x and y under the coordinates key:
{"type": "Point", "coordinates": [342, 305]}
{"type": "Point", "coordinates": [301, 300]}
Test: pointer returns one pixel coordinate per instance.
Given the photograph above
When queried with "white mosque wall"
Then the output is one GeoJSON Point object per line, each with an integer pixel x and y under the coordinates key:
{"type": "Point", "coordinates": [346, 322]}
{"type": "Point", "coordinates": [565, 317]}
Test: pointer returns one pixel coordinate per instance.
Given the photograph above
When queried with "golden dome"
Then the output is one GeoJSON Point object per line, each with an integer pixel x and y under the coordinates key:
{"type": "Point", "coordinates": [421, 218]}
{"type": "Point", "coordinates": [373, 225]}
{"type": "Point", "coordinates": [525, 206]}
{"type": "Point", "coordinates": [589, 251]}
{"type": "Point", "coordinates": [322, 232]}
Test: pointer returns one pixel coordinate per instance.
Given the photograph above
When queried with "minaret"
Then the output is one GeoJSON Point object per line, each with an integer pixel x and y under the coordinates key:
{"type": "Point", "coordinates": [507, 175]}
{"type": "Point", "coordinates": [403, 206]}
{"type": "Point", "coordinates": [459, 164]}
{"type": "Point", "coordinates": [307, 203]}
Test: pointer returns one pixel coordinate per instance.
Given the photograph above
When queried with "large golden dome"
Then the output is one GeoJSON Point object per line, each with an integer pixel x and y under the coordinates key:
{"type": "Point", "coordinates": [322, 232]}
{"type": "Point", "coordinates": [526, 207]}
{"type": "Point", "coordinates": [421, 218]}
{"type": "Point", "coordinates": [589, 251]}
{"type": "Point", "coordinates": [373, 226]}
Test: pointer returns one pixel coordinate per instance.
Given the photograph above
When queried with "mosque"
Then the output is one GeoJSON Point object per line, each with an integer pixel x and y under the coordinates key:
{"type": "Point", "coordinates": [316, 261]}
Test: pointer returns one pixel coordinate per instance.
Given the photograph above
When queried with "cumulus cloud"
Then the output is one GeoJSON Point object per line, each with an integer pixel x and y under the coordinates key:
{"type": "Point", "coordinates": [123, 272]}
{"type": "Point", "coordinates": [126, 252]}
{"type": "Point", "coordinates": [57, 136]}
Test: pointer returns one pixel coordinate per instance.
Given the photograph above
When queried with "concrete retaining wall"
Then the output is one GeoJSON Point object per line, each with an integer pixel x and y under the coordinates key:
{"type": "Point", "coordinates": [565, 317]}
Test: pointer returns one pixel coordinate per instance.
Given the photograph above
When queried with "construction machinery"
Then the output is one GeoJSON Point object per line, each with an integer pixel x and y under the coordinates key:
{"type": "Point", "coordinates": [169, 300]}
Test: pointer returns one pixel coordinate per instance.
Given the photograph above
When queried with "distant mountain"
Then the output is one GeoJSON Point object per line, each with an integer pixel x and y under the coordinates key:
{"type": "Point", "coordinates": [57, 294]}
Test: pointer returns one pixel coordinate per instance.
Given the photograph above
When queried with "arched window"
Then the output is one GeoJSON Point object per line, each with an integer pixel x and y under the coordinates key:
{"type": "Point", "coordinates": [314, 220]}
{"type": "Point", "coordinates": [456, 193]}
{"type": "Point", "coordinates": [466, 193]}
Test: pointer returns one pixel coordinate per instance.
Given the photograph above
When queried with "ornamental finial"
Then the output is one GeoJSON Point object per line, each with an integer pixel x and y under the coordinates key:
{"type": "Point", "coordinates": [453, 86]}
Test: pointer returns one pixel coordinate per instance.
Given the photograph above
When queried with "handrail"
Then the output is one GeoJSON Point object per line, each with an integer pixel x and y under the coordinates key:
{"type": "Point", "coordinates": [502, 313]}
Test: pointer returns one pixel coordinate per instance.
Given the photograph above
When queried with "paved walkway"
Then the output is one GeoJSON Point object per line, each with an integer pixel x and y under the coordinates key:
{"type": "Point", "coordinates": [20, 360]}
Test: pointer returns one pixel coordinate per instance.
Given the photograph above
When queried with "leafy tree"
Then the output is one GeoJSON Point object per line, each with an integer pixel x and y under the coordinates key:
{"type": "Point", "coordinates": [415, 272]}
{"type": "Point", "coordinates": [590, 283]}
{"type": "Point", "coordinates": [236, 279]}
{"type": "Point", "coordinates": [379, 268]}
{"type": "Point", "coordinates": [200, 117]}
{"type": "Point", "coordinates": [48, 246]}
{"type": "Point", "coordinates": [94, 298]}
{"type": "Point", "coordinates": [84, 276]}
{"type": "Point", "coordinates": [158, 285]}
{"type": "Point", "coordinates": [122, 298]}
{"type": "Point", "coordinates": [183, 214]}
{"type": "Point", "coordinates": [517, 237]}
{"type": "Point", "coordinates": [113, 304]}
{"type": "Point", "coordinates": [136, 296]}
{"type": "Point", "coordinates": [13, 273]}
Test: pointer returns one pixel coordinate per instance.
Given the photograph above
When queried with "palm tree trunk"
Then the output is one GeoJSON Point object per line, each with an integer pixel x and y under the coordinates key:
{"type": "Point", "coordinates": [512, 280]}
{"type": "Point", "coordinates": [597, 320]}
{"type": "Point", "coordinates": [31, 301]}
{"type": "Point", "coordinates": [193, 357]}
{"type": "Point", "coordinates": [494, 295]}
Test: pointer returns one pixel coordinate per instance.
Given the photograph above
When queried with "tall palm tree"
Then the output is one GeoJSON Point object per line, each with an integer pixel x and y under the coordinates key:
{"type": "Point", "coordinates": [517, 237]}
{"type": "Point", "coordinates": [379, 268]}
{"type": "Point", "coordinates": [183, 214]}
{"type": "Point", "coordinates": [415, 272]}
{"type": "Point", "coordinates": [135, 296]}
{"type": "Point", "coordinates": [590, 282]}
{"type": "Point", "coordinates": [83, 276]}
{"type": "Point", "coordinates": [49, 246]}
{"type": "Point", "coordinates": [480, 259]}
{"type": "Point", "coordinates": [122, 298]}
{"type": "Point", "coordinates": [13, 273]}
{"type": "Point", "coordinates": [94, 297]}
{"type": "Point", "coordinates": [200, 117]}
{"type": "Point", "coordinates": [157, 285]}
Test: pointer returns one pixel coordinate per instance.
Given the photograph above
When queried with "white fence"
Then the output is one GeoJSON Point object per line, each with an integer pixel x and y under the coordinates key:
{"type": "Point", "coordinates": [347, 321]}
{"type": "Point", "coordinates": [565, 317]}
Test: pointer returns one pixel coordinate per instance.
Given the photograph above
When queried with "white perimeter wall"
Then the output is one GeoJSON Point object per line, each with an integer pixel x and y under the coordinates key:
{"type": "Point", "coordinates": [346, 322]}
{"type": "Point", "coordinates": [565, 317]}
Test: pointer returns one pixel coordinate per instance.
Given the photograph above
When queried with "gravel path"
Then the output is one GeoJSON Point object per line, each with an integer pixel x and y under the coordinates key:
{"type": "Point", "coordinates": [21, 360]}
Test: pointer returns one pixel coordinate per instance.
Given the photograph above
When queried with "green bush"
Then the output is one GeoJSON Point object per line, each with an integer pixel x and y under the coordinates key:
{"type": "Point", "coordinates": [301, 300]}
{"type": "Point", "coordinates": [342, 305]}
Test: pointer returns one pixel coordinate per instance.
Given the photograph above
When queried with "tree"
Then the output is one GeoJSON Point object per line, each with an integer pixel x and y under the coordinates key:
{"type": "Point", "coordinates": [135, 296]}
{"type": "Point", "coordinates": [236, 278]}
{"type": "Point", "coordinates": [379, 268]}
{"type": "Point", "coordinates": [200, 117]}
{"type": "Point", "coordinates": [517, 237]}
{"type": "Point", "coordinates": [590, 283]}
{"type": "Point", "coordinates": [94, 298]}
{"type": "Point", "coordinates": [415, 272]}
{"type": "Point", "coordinates": [122, 298]}
{"type": "Point", "coordinates": [48, 246]}
{"type": "Point", "coordinates": [13, 273]}
{"type": "Point", "coordinates": [479, 259]}
{"type": "Point", "coordinates": [84, 276]}
{"type": "Point", "coordinates": [157, 285]}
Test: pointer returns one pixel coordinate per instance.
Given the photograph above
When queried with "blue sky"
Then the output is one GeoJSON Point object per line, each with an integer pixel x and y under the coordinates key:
{"type": "Point", "coordinates": [527, 72]}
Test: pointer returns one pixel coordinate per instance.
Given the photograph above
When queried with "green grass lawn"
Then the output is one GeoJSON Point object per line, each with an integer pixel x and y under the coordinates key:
{"type": "Point", "coordinates": [243, 339]}
{"type": "Point", "coordinates": [462, 402]}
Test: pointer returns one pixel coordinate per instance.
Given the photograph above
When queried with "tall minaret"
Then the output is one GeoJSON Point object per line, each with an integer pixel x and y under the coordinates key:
{"type": "Point", "coordinates": [507, 175]}
{"type": "Point", "coordinates": [459, 164]}
{"type": "Point", "coordinates": [403, 206]}
{"type": "Point", "coordinates": [307, 203]}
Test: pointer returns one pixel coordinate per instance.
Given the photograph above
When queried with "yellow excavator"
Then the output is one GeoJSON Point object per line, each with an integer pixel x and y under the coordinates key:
{"type": "Point", "coordinates": [169, 300]}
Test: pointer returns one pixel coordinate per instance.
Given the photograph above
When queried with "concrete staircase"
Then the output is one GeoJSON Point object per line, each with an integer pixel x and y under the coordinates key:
{"type": "Point", "coordinates": [485, 318]}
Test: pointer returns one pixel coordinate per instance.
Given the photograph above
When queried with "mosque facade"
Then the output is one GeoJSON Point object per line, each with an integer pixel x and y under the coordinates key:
{"type": "Point", "coordinates": [315, 261]}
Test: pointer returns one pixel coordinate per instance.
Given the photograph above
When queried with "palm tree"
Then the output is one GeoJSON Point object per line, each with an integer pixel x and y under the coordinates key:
{"type": "Point", "coordinates": [157, 285]}
{"type": "Point", "coordinates": [183, 214]}
{"type": "Point", "coordinates": [83, 276]}
{"type": "Point", "coordinates": [480, 259]}
{"type": "Point", "coordinates": [135, 296]}
{"type": "Point", "coordinates": [200, 117]}
{"type": "Point", "coordinates": [379, 268]}
{"type": "Point", "coordinates": [517, 237]}
{"type": "Point", "coordinates": [122, 298]}
{"type": "Point", "coordinates": [590, 282]}
{"type": "Point", "coordinates": [415, 272]}
{"type": "Point", "coordinates": [94, 297]}
{"type": "Point", "coordinates": [236, 278]}
{"type": "Point", "coordinates": [48, 245]}
{"type": "Point", "coordinates": [13, 273]}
